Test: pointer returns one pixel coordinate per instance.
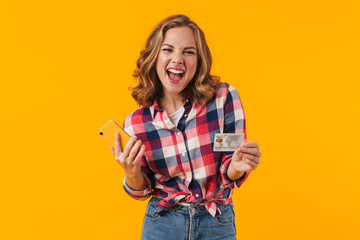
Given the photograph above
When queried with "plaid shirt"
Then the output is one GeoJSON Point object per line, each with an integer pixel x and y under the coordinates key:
{"type": "Point", "coordinates": [179, 163]}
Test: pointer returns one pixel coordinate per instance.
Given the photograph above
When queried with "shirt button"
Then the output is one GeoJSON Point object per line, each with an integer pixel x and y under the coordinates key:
{"type": "Point", "coordinates": [183, 154]}
{"type": "Point", "coordinates": [185, 115]}
{"type": "Point", "coordinates": [196, 195]}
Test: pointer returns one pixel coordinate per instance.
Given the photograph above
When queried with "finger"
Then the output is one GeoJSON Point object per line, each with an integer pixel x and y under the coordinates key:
{"type": "Point", "coordinates": [250, 145]}
{"type": "Point", "coordinates": [252, 164]}
{"type": "Point", "coordinates": [128, 146]}
{"type": "Point", "coordinates": [140, 155]}
{"type": "Point", "coordinates": [112, 149]}
{"type": "Point", "coordinates": [253, 151]}
{"type": "Point", "coordinates": [240, 154]}
{"type": "Point", "coordinates": [117, 144]}
{"type": "Point", "coordinates": [256, 160]}
{"type": "Point", "coordinates": [134, 151]}
{"type": "Point", "coordinates": [251, 158]}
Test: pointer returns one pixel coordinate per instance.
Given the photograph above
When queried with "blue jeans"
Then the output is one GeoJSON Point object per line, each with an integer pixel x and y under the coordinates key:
{"type": "Point", "coordinates": [188, 223]}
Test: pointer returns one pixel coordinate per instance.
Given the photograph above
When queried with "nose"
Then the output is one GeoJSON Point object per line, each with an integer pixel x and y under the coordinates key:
{"type": "Point", "coordinates": [177, 58]}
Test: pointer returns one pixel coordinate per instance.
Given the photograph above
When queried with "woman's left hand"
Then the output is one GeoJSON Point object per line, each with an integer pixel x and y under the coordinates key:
{"type": "Point", "coordinates": [246, 157]}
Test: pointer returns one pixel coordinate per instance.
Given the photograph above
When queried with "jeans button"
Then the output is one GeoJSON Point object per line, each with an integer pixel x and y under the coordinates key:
{"type": "Point", "coordinates": [193, 210]}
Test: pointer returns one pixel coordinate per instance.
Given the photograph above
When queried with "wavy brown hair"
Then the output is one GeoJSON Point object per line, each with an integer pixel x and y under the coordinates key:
{"type": "Point", "coordinates": [201, 87]}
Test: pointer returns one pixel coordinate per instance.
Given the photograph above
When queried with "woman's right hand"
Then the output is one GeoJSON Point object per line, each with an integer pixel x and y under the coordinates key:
{"type": "Point", "coordinates": [130, 158]}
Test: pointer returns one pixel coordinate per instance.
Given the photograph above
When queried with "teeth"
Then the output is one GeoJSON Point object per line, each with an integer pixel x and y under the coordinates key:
{"type": "Point", "coordinates": [175, 71]}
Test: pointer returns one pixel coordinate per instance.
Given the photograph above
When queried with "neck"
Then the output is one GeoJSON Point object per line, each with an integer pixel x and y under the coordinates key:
{"type": "Point", "coordinates": [171, 103]}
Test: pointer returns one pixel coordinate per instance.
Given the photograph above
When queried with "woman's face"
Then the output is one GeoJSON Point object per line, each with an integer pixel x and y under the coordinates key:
{"type": "Point", "coordinates": [177, 60]}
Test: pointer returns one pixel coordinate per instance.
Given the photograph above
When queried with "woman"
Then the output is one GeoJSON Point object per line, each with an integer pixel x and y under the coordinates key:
{"type": "Point", "coordinates": [170, 155]}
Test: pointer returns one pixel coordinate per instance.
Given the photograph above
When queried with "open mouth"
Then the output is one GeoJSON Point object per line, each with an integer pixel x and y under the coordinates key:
{"type": "Point", "coordinates": [175, 75]}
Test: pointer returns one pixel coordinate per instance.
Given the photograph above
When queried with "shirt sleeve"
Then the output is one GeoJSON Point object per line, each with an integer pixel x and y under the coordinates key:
{"type": "Point", "coordinates": [234, 122]}
{"type": "Point", "coordinates": [145, 171]}
{"type": "Point", "coordinates": [139, 195]}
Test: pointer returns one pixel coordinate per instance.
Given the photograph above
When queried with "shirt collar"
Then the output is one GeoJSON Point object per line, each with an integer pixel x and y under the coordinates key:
{"type": "Point", "coordinates": [156, 108]}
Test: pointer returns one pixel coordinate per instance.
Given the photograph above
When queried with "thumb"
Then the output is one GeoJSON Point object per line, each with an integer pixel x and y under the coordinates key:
{"type": "Point", "coordinates": [237, 156]}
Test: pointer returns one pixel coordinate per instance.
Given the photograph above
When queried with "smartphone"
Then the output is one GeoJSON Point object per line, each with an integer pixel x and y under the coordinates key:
{"type": "Point", "coordinates": [108, 133]}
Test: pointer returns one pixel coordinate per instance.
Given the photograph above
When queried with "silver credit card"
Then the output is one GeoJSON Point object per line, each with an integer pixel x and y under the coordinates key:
{"type": "Point", "coordinates": [227, 142]}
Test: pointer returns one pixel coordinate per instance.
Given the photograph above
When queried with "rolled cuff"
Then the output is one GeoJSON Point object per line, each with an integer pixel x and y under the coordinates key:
{"type": "Point", "coordinates": [139, 194]}
{"type": "Point", "coordinates": [226, 181]}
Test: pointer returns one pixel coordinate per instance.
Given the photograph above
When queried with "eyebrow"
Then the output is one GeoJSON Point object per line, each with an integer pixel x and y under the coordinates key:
{"type": "Point", "coordinates": [169, 45]}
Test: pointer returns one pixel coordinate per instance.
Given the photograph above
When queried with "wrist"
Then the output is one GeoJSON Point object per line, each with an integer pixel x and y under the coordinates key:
{"type": "Point", "coordinates": [132, 176]}
{"type": "Point", "coordinates": [233, 173]}
{"type": "Point", "coordinates": [136, 182]}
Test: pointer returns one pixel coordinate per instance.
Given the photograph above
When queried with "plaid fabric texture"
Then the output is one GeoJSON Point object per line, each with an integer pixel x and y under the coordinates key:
{"type": "Point", "coordinates": [179, 163]}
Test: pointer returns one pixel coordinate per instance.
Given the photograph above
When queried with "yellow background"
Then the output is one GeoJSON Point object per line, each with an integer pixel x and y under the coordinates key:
{"type": "Point", "coordinates": [65, 67]}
